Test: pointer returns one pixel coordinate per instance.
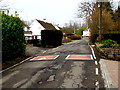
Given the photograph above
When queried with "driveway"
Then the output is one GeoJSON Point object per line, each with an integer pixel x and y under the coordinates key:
{"type": "Point", "coordinates": [71, 65]}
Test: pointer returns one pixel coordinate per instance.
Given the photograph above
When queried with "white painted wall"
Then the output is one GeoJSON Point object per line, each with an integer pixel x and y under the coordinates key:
{"type": "Point", "coordinates": [25, 29]}
{"type": "Point", "coordinates": [36, 28]}
{"type": "Point", "coordinates": [86, 33]}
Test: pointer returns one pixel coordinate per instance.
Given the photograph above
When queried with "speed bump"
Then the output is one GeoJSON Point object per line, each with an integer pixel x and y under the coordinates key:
{"type": "Point", "coordinates": [49, 57]}
{"type": "Point", "coordinates": [79, 57]}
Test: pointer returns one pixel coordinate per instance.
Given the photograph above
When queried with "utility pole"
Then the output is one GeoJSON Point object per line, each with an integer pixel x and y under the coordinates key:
{"type": "Point", "coordinates": [74, 28]}
{"type": "Point", "coordinates": [100, 22]}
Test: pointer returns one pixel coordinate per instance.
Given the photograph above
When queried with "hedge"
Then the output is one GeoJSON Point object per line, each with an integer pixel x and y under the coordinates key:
{"type": "Point", "coordinates": [13, 41]}
{"type": "Point", "coordinates": [51, 38]}
{"type": "Point", "coordinates": [115, 37]}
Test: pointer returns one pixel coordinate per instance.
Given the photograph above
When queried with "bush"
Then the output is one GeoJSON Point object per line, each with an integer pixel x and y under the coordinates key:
{"type": "Point", "coordinates": [13, 41]}
{"type": "Point", "coordinates": [115, 37]}
{"type": "Point", "coordinates": [75, 37]}
{"type": "Point", "coordinates": [108, 43]}
{"type": "Point", "coordinates": [51, 37]}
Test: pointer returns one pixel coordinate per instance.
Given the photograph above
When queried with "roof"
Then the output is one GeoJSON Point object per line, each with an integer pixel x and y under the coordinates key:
{"type": "Point", "coordinates": [47, 26]}
{"type": "Point", "coordinates": [59, 27]}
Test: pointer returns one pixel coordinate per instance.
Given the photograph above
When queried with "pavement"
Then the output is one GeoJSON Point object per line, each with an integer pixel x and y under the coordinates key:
{"type": "Point", "coordinates": [111, 73]}
{"type": "Point", "coordinates": [61, 72]}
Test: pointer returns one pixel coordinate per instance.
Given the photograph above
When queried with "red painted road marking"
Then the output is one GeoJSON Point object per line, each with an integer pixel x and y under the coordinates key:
{"type": "Point", "coordinates": [80, 57]}
{"type": "Point", "coordinates": [45, 57]}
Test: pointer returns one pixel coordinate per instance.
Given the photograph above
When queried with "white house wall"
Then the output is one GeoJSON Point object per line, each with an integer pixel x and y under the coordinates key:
{"type": "Point", "coordinates": [86, 33]}
{"type": "Point", "coordinates": [36, 28]}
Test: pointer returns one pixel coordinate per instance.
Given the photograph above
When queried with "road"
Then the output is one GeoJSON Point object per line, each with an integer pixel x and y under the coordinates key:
{"type": "Point", "coordinates": [60, 72]}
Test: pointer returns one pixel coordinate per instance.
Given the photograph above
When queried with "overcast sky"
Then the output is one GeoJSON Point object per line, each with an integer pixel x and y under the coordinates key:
{"type": "Point", "coordinates": [55, 11]}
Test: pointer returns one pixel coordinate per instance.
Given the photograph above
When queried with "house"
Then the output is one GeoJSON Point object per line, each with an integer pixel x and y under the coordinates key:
{"type": "Point", "coordinates": [57, 27]}
{"type": "Point", "coordinates": [86, 33]}
{"type": "Point", "coordinates": [37, 26]}
{"type": "Point", "coordinates": [28, 35]}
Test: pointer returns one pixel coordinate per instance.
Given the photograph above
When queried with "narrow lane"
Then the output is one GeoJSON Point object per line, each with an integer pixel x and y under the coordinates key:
{"type": "Point", "coordinates": [58, 72]}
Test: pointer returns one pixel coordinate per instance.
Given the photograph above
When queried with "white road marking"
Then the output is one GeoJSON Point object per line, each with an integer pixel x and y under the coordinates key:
{"type": "Point", "coordinates": [96, 63]}
{"type": "Point", "coordinates": [67, 57]}
{"type": "Point", "coordinates": [92, 52]}
{"type": "Point", "coordinates": [97, 85]}
{"type": "Point", "coordinates": [57, 56]}
{"type": "Point", "coordinates": [91, 57]}
{"type": "Point", "coordinates": [96, 70]}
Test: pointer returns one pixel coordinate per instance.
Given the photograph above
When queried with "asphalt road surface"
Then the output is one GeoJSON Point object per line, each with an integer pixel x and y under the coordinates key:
{"type": "Point", "coordinates": [74, 66]}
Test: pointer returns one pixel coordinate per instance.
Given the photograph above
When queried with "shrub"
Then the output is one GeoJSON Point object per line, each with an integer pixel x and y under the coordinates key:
{"type": "Point", "coordinates": [75, 37]}
{"type": "Point", "coordinates": [115, 37]}
{"type": "Point", "coordinates": [108, 43]}
{"type": "Point", "coordinates": [51, 37]}
{"type": "Point", "coordinates": [13, 41]}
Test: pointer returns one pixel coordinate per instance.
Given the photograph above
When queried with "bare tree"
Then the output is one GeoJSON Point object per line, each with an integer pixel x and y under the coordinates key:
{"type": "Point", "coordinates": [85, 9]}
{"type": "Point", "coordinates": [4, 7]}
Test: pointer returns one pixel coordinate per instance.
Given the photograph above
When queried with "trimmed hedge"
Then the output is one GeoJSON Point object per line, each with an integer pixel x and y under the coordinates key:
{"type": "Point", "coordinates": [51, 38]}
{"type": "Point", "coordinates": [74, 37]}
{"type": "Point", "coordinates": [115, 37]}
{"type": "Point", "coordinates": [13, 41]}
